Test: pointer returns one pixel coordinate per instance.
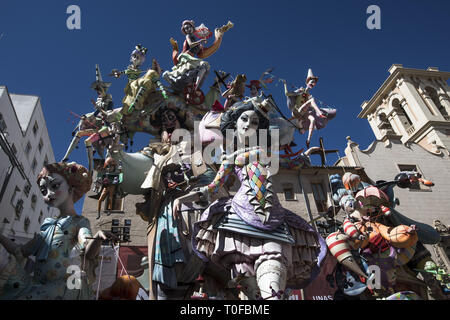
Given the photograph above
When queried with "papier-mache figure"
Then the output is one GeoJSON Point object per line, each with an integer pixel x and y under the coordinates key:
{"type": "Point", "coordinates": [251, 233]}
{"type": "Point", "coordinates": [62, 184]}
{"type": "Point", "coordinates": [189, 69]}
{"type": "Point", "coordinates": [100, 132]}
{"type": "Point", "coordinates": [104, 100]}
{"type": "Point", "coordinates": [138, 88]}
{"type": "Point", "coordinates": [110, 179]}
{"type": "Point", "coordinates": [304, 108]}
{"type": "Point", "coordinates": [373, 233]}
{"type": "Point", "coordinates": [235, 91]}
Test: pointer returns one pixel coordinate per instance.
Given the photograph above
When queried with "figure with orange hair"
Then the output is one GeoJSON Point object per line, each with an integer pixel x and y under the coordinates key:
{"type": "Point", "coordinates": [62, 184]}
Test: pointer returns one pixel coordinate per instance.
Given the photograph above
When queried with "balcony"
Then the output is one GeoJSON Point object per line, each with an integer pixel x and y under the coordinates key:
{"type": "Point", "coordinates": [410, 130]}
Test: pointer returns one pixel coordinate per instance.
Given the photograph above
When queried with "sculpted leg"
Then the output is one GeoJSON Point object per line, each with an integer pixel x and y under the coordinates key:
{"type": "Point", "coordinates": [100, 200]}
{"type": "Point", "coordinates": [250, 288]}
{"type": "Point", "coordinates": [90, 153]}
{"type": "Point", "coordinates": [72, 146]}
{"type": "Point", "coordinates": [311, 129]}
{"type": "Point", "coordinates": [271, 275]}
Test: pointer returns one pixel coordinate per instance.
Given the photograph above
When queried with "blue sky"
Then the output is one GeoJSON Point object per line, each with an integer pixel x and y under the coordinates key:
{"type": "Point", "coordinates": [40, 56]}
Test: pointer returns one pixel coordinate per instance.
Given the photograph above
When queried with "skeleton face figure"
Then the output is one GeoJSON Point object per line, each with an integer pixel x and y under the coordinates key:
{"type": "Point", "coordinates": [137, 58]}
{"type": "Point", "coordinates": [247, 124]}
{"type": "Point", "coordinates": [253, 91]}
{"type": "Point", "coordinates": [169, 119]}
{"type": "Point", "coordinates": [54, 189]}
{"type": "Point", "coordinates": [173, 175]}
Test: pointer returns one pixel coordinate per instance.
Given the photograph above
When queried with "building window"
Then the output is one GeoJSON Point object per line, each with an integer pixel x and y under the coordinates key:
{"type": "Point", "coordinates": [14, 149]}
{"type": "Point", "coordinates": [33, 201]}
{"type": "Point", "coordinates": [34, 165]}
{"type": "Point", "coordinates": [115, 229]}
{"type": "Point", "coordinates": [126, 230]}
{"type": "Point", "coordinates": [40, 217]}
{"type": "Point", "coordinates": [406, 120]}
{"type": "Point", "coordinates": [40, 145]}
{"type": "Point", "coordinates": [28, 148]}
{"type": "Point", "coordinates": [320, 197]}
{"type": "Point", "coordinates": [45, 161]}
{"type": "Point", "coordinates": [26, 224]}
{"type": "Point", "coordinates": [35, 128]}
{"type": "Point", "coordinates": [19, 209]}
{"type": "Point", "coordinates": [434, 97]}
{"type": "Point", "coordinates": [27, 189]}
{"type": "Point", "coordinates": [13, 198]}
{"type": "Point", "coordinates": [3, 126]}
{"type": "Point", "coordinates": [288, 190]}
{"type": "Point", "coordinates": [415, 185]}
{"type": "Point", "coordinates": [117, 204]}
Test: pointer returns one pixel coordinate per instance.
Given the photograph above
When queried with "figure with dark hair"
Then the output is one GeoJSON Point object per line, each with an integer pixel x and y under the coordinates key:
{"type": "Point", "coordinates": [264, 245]}
{"type": "Point", "coordinates": [189, 68]}
{"type": "Point", "coordinates": [167, 120]}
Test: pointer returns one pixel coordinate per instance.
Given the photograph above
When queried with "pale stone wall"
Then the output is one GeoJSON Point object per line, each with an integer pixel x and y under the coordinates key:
{"type": "Point", "coordinates": [138, 234]}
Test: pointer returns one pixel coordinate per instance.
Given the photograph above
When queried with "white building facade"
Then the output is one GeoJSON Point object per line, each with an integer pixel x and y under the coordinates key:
{"type": "Point", "coordinates": [25, 148]}
{"type": "Point", "coordinates": [410, 117]}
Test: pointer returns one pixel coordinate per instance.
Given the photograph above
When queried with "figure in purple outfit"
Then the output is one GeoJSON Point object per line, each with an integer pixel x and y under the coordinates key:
{"type": "Point", "coordinates": [266, 246]}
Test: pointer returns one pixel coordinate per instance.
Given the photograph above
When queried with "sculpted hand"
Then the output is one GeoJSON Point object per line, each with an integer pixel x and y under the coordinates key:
{"type": "Point", "coordinates": [106, 235]}
{"type": "Point", "coordinates": [176, 208]}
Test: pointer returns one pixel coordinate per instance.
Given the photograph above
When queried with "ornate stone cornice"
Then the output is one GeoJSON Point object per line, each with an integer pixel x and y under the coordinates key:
{"type": "Point", "coordinates": [396, 78]}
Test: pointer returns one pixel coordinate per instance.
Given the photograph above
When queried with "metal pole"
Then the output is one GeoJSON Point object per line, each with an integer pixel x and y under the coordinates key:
{"type": "Point", "coordinates": [308, 208]}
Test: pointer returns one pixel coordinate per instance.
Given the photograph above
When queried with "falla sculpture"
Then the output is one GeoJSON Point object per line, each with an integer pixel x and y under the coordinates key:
{"type": "Point", "coordinates": [204, 241]}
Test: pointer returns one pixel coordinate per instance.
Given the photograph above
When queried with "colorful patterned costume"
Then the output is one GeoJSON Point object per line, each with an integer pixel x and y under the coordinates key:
{"type": "Point", "coordinates": [171, 254]}
{"type": "Point", "coordinates": [242, 232]}
{"type": "Point", "coordinates": [138, 88]}
{"type": "Point", "coordinates": [51, 247]}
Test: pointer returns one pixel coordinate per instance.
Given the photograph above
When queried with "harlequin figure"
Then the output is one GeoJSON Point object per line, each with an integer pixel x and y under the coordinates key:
{"type": "Point", "coordinates": [111, 178]}
{"type": "Point", "coordinates": [251, 233]}
{"type": "Point", "coordinates": [304, 108]}
{"type": "Point", "coordinates": [62, 184]}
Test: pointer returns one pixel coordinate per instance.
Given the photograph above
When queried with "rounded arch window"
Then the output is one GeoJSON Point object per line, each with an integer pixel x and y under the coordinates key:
{"type": "Point", "coordinates": [435, 98]}
{"type": "Point", "coordinates": [401, 110]}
